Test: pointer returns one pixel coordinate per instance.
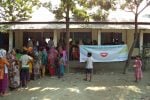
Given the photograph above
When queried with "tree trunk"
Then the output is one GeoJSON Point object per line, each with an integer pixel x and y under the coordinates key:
{"type": "Point", "coordinates": [136, 37]}
{"type": "Point", "coordinates": [67, 32]}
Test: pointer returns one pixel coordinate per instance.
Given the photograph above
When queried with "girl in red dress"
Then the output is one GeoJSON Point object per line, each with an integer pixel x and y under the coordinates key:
{"type": "Point", "coordinates": [137, 69]}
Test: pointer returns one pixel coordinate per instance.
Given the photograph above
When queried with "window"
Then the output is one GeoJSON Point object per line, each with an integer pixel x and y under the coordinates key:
{"type": "Point", "coordinates": [146, 40]}
{"type": "Point", "coordinates": [86, 37]}
{"type": "Point", "coordinates": [4, 40]}
{"type": "Point", "coordinates": [111, 38]}
{"type": "Point", "coordinates": [76, 38]}
{"type": "Point", "coordinates": [36, 36]}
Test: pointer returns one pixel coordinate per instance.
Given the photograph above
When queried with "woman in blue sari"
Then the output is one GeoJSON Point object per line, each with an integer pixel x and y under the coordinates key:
{"type": "Point", "coordinates": [44, 61]}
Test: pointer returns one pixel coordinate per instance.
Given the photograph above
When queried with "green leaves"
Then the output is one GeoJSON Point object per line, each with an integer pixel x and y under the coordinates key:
{"type": "Point", "coordinates": [81, 10]}
{"type": "Point", "coordinates": [80, 14]}
{"type": "Point", "coordinates": [47, 5]}
{"type": "Point", "coordinates": [17, 10]}
{"type": "Point", "coordinates": [100, 15]}
{"type": "Point", "coordinates": [131, 5]}
{"type": "Point", "coordinates": [58, 13]}
{"type": "Point", "coordinates": [4, 28]}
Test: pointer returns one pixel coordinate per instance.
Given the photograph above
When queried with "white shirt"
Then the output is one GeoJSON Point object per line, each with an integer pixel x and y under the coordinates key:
{"type": "Point", "coordinates": [17, 76]}
{"type": "Point", "coordinates": [89, 64]}
{"type": "Point", "coordinates": [50, 43]}
{"type": "Point", "coordinates": [25, 59]}
{"type": "Point", "coordinates": [6, 69]}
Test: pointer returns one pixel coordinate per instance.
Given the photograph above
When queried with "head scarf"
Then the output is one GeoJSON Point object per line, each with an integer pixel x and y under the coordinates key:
{"type": "Point", "coordinates": [2, 53]}
{"type": "Point", "coordinates": [44, 51]}
{"type": "Point", "coordinates": [30, 49]}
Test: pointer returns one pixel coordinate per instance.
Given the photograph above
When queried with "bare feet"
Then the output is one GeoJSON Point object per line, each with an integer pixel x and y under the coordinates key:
{"type": "Point", "coordinates": [4, 94]}
{"type": "Point", "coordinates": [136, 81]}
{"type": "Point", "coordinates": [85, 79]}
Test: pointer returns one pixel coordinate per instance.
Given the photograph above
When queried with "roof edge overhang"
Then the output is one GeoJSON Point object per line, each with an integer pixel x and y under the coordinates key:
{"type": "Point", "coordinates": [79, 22]}
{"type": "Point", "coordinates": [76, 25]}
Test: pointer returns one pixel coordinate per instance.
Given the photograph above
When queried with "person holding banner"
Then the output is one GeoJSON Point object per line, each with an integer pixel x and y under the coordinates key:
{"type": "Point", "coordinates": [89, 67]}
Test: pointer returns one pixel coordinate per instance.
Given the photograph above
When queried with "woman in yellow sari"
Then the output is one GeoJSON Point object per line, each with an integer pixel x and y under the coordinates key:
{"type": "Point", "coordinates": [30, 51]}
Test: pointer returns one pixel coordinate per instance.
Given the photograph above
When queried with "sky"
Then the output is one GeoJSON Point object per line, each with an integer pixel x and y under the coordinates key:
{"type": "Point", "coordinates": [122, 15]}
{"type": "Point", "coordinates": [42, 14]}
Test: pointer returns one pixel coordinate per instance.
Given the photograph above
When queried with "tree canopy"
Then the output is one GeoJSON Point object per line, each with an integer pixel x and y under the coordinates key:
{"type": "Point", "coordinates": [18, 10]}
{"type": "Point", "coordinates": [135, 6]}
{"type": "Point", "coordinates": [84, 10]}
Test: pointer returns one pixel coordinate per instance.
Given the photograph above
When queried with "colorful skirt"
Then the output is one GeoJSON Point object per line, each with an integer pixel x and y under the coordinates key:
{"type": "Point", "coordinates": [52, 71]}
{"type": "Point", "coordinates": [62, 69]}
{"type": "Point", "coordinates": [4, 83]}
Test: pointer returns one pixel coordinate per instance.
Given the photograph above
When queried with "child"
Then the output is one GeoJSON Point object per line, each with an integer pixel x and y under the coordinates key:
{"type": "Point", "coordinates": [137, 66]}
{"type": "Point", "coordinates": [44, 61]}
{"type": "Point", "coordinates": [17, 74]}
{"type": "Point", "coordinates": [89, 67]}
{"type": "Point", "coordinates": [37, 65]}
{"type": "Point", "coordinates": [56, 62]}
{"type": "Point", "coordinates": [61, 66]}
{"type": "Point", "coordinates": [64, 52]}
{"type": "Point", "coordinates": [24, 74]}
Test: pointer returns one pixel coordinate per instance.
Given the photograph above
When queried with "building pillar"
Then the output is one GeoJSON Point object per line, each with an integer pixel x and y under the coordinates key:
{"type": "Point", "coordinates": [99, 37]}
{"type": "Point", "coordinates": [124, 37]}
{"type": "Point", "coordinates": [10, 40]}
{"type": "Point", "coordinates": [18, 39]}
{"type": "Point", "coordinates": [55, 39]}
{"type": "Point", "coordinates": [94, 34]}
{"type": "Point", "coordinates": [141, 42]}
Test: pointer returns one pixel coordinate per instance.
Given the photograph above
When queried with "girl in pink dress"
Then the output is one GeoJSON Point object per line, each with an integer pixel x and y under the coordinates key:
{"type": "Point", "coordinates": [137, 69]}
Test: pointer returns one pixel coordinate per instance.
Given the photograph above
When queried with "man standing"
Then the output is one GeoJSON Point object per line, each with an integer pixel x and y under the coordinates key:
{"type": "Point", "coordinates": [50, 43]}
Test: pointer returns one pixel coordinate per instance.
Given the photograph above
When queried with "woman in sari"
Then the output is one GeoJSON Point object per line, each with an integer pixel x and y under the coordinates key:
{"type": "Point", "coordinates": [4, 64]}
{"type": "Point", "coordinates": [44, 61]}
{"type": "Point", "coordinates": [30, 53]}
{"type": "Point", "coordinates": [14, 76]}
{"type": "Point", "coordinates": [36, 65]}
{"type": "Point", "coordinates": [51, 60]}
{"type": "Point", "coordinates": [62, 50]}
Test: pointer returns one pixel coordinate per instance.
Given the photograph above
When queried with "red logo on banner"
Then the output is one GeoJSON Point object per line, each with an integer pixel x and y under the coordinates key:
{"type": "Point", "coordinates": [103, 54]}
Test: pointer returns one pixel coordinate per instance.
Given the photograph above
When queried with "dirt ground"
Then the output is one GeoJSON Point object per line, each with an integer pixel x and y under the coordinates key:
{"type": "Point", "coordinates": [107, 84]}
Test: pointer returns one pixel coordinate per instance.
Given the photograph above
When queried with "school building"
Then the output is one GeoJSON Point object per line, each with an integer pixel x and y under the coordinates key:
{"type": "Point", "coordinates": [105, 33]}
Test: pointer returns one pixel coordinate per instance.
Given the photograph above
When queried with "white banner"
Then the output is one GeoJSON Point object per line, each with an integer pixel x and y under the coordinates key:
{"type": "Point", "coordinates": [107, 53]}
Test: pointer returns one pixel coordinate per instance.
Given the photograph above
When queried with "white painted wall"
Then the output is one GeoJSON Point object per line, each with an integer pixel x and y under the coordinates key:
{"type": "Point", "coordinates": [18, 39]}
{"type": "Point", "coordinates": [127, 36]}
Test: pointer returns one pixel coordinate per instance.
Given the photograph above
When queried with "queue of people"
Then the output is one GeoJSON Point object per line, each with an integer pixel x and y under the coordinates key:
{"type": "Point", "coordinates": [18, 67]}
